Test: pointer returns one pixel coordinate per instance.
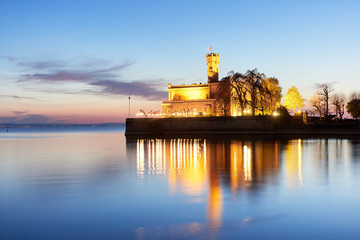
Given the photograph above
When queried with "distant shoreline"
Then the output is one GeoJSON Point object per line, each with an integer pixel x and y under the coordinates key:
{"type": "Point", "coordinates": [51, 125]}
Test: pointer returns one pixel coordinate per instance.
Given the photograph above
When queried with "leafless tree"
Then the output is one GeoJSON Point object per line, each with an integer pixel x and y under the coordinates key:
{"type": "Point", "coordinates": [338, 101]}
{"type": "Point", "coordinates": [319, 105]}
{"type": "Point", "coordinates": [323, 92]}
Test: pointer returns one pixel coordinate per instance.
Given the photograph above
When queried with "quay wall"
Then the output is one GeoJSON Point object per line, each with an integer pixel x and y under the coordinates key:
{"type": "Point", "coordinates": [203, 125]}
{"type": "Point", "coordinates": [245, 126]}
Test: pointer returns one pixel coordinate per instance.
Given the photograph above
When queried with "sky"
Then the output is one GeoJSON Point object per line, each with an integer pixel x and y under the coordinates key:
{"type": "Point", "coordinates": [79, 61]}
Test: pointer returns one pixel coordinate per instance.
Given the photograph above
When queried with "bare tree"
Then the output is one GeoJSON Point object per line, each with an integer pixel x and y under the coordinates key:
{"type": "Point", "coordinates": [338, 101]}
{"type": "Point", "coordinates": [323, 92]}
{"type": "Point", "coordinates": [318, 104]}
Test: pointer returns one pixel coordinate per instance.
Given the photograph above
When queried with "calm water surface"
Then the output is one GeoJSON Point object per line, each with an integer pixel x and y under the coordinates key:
{"type": "Point", "coordinates": [90, 183]}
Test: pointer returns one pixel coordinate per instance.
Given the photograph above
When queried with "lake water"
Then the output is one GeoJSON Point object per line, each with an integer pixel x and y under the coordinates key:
{"type": "Point", "coordinates": [91, 183]}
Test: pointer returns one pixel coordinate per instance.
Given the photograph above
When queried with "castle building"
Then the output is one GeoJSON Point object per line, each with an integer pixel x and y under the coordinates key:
{"type": "Point", "coordinates": [195, 99]}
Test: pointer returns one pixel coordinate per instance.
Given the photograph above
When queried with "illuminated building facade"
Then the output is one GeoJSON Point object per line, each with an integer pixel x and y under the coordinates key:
{"type": "Point", "coordinates": [195, 99]}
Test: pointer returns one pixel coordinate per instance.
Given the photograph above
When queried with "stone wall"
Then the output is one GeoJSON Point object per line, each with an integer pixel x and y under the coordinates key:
{"type": "Point", "coordinates": [203, 125]}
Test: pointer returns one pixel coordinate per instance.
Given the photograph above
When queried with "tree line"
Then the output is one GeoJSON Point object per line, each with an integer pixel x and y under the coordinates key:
{"type": "Point", "coordinates": [325, 102]}
{"type": "Point", "coordinates": [326, 99]}
{"type": "Point", "coordinates": [254, 92]}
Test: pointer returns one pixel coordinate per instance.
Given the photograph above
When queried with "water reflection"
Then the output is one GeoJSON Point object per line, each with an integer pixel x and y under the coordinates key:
{"type": "Point", "coordinates": [184, 160]}
{"type": "Point", "coordinates": [293, 162]}
{"type": "Point", "coordinates": [206, 168]}
{"type": "Point", "coordinates": [177, 188]}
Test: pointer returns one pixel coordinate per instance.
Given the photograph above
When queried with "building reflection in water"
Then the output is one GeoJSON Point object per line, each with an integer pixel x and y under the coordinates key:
{"type": "Point", "coordinates": [155, 150]}
{"type": "Point", "coordinates": [197, 166]}
{"type": "Point", "coordinates": [187, 166]}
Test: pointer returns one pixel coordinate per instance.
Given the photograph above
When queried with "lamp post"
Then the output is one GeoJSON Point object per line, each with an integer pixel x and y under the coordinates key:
{"type": "Point", "coordinates": [129, 107]}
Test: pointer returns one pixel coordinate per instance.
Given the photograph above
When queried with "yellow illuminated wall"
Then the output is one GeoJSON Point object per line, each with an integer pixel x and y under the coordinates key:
{"type": "Point", "coordinates": [189, 101]}
{"type": "Point", "coordinates": [188, 92]}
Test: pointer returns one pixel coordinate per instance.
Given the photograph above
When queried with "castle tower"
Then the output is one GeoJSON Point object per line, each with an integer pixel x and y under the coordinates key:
{"type": "Point", "coordinates": [212, 61]}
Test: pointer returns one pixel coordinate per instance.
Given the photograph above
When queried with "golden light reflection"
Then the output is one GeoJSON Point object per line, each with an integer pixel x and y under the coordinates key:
{"type": "Point", "coordinates": [186, 160]}
{"type": "Point", "coordinates": [140, 160]}
{"type": "Point", "coordinates": [250, 162]}
{"type": "Point", "coordinates": [215, 203]}
{"type": "Point", "coordinates": [197, 166]}
{"type": "Point", "coordinates": [293, 160]}
{"type": "Point", "coordinates": [247, 163]}
{"type": "Point", "coordinates": [155, 150]}
{"type": "Point", "coordinates": [300, 163]}
{"type": "Point", "coordinates": [187, 171]}
{"type": "Point", "coordinates": [236, 153]}
{"type": "Point", "coordinates": [241, 165]}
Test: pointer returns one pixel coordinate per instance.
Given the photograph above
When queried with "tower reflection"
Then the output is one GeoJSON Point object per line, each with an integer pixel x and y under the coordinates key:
{"type": "Point", "coordinates": [203, 168]}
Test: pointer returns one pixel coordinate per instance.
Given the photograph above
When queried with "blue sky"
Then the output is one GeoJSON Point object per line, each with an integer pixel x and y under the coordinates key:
{"type": "Point", "coordinates": [78, 61]}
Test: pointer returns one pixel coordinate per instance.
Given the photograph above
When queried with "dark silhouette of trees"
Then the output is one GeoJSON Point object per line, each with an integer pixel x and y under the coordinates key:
{"type": "Point", "coordinates": [354, 95]}
{"type": "Point", "coordinates": [320, 101]}
{"type": "Point", "coordinates": [338, 101]}
{"type": "Point", "coordinates": [319, 106]}
{"type": "Point", "coordinates": [353, 106]}
{"type": "Point", "coordinates": [324, 93]}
